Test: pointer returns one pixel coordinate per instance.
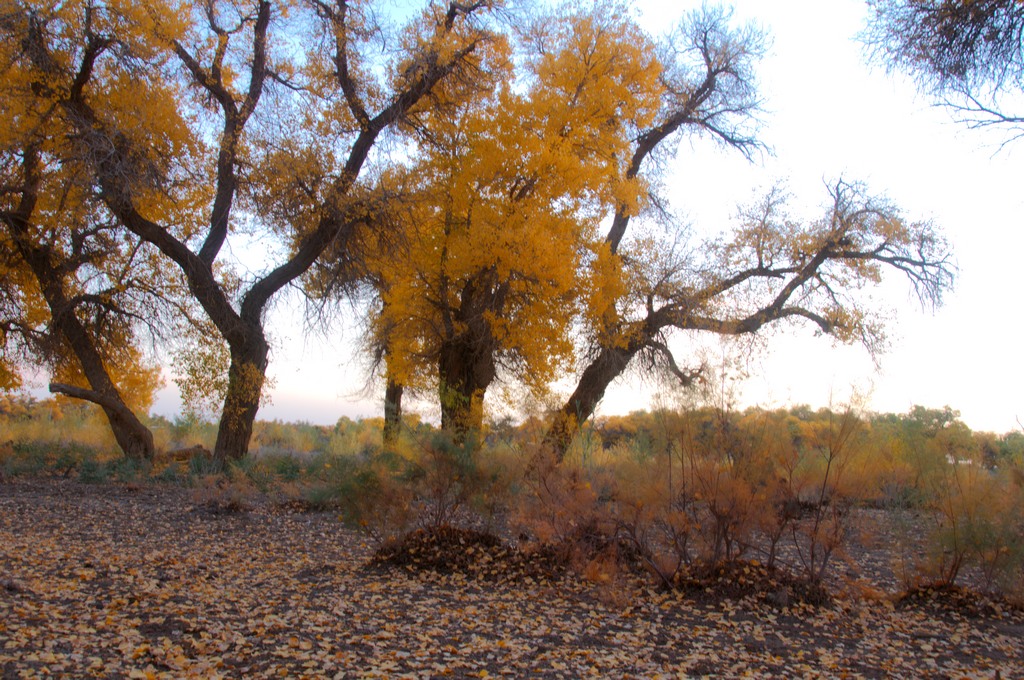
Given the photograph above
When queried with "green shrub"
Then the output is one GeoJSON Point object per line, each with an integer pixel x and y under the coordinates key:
{"type": "Point", "coordinates": [26, 459]}
{"type": "Point", "coordinates": [255, 470]}
{"type": "Point", "coordinates": [373, 494]}
{"type": "Point", "coordinates": [92, 471]}
{"type": "Point", "coordinates": [171, 475]}
{"type": "Point", "coordinates": [203, 465]}
{"type": "Point", "coordinates": [129, 469]}
{"type": "Point", "coordinates": [285, 466]}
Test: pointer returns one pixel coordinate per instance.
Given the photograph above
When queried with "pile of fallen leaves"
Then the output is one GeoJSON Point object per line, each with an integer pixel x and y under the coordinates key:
{"type": "Point", "coordinates": [741, 579]}
{"type": "Point", "coordinates": [953, 601]}
{"type": "Point", "coordinates": [110, 581]}
{"type": "Point", "coordinates": [448, 549]}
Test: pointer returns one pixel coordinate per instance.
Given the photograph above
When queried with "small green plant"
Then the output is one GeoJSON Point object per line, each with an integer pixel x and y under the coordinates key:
{"type": "Point", "coordinates": [128, 469]}
{"type": "Point", "coordinates": [257, 472]}
{"type": "Point", "coordinates": [320, 496]}
{"type": "Point", "coordinates": [285, 466]}
{"type": "Point", "coordinates": [203, 466]}
{"type": "Point", "coordinates": [92, 471]}
{"type": "Point", "coordinates": [171, 474]}
{"type": "Point", "coordinates": [68, 458]}
{"type": "Point", "coordinates": [373, 495]}
{"type": "Point", "coordinates": [25, 459]}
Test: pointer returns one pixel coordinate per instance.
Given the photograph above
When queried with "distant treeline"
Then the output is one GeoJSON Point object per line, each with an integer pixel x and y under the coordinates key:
{"type": "Point", "coordinates": [920, 432]}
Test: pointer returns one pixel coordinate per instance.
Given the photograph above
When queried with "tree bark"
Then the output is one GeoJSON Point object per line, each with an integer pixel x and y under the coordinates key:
{"type": "Point", "coordinates": [134, 438]}
{"type": "Point", "coordinates": [246, 376]}
{"type": "Point", "coordinates": [465, 370]}
{"type": "Point", "coordinates": [609, 364]}
{"type": "Point", "coordinates": [392, 412]}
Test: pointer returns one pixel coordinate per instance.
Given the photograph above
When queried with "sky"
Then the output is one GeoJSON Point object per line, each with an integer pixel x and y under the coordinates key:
{"type": "Point", "coordinates": [828, 115]}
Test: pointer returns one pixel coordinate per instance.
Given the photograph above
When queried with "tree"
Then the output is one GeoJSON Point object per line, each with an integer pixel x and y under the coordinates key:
{"type": "Point", "coordinates": [75, 291]}
{"type": "Point", "coordinates": [707, 89]}
{"type": "Point", "coordinates": [249, 121]}
{"type": "Point", "coordinates": [967, 52]}
{"type": "Point", "coordinates": [770, 270]}
{"type": "Point", "coordinates": [512, 184]}
{"type": "Point", "coordinates": [87, 337]}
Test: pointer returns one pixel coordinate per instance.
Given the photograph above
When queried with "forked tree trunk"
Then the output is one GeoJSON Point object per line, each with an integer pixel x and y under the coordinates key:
{"type": "Point", "coordinates": [465, 371]}
{"type": "Point", "coordinates": [245, 388]}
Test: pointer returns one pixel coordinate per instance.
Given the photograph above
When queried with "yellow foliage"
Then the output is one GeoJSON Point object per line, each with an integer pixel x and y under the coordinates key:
{"type": "Point", "coordinates": [511, 189]}
{"type": "Point", "coordinates": [136, 378]}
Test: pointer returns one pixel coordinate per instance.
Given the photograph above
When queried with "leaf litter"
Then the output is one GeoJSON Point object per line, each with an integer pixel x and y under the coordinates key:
{"type": "Point", "coordinates": [117, 581]}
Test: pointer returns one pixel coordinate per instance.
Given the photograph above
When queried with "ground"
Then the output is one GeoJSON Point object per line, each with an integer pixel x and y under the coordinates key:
{"type": "Point", "coordinates": [151, 581]}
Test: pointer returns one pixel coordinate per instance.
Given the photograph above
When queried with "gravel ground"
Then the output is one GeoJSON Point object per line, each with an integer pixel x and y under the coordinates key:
{"type": "Point", "coordinates": [113, 581]}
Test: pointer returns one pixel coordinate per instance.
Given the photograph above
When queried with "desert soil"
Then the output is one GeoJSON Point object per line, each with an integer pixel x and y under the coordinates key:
{"type": "Point", "coordinates": [113, 581]}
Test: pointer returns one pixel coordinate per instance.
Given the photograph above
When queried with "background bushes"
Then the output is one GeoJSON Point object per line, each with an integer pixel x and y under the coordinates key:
{"type": "Point", "coordinates": [671, 491]}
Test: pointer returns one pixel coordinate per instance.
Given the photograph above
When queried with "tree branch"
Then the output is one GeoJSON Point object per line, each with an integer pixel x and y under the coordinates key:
{"type": "Point", "coordinates": [93, 396]}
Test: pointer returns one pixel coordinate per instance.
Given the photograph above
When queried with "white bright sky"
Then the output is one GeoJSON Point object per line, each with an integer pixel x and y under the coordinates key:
{"type": "Point", "coordinates": [828, 115]}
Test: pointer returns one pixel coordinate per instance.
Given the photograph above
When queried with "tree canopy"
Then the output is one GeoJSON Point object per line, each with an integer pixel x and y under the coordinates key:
{"type": "Point", "coordinates": [191, 117]}
{"type": "Point", "coordinates": [969, 52]}
{"type": "Point", "coordinates": [493, 181]}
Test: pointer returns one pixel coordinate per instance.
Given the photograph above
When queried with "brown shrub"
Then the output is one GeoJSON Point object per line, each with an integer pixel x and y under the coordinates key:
{"type": "Point", "coordinates": [181, 457]}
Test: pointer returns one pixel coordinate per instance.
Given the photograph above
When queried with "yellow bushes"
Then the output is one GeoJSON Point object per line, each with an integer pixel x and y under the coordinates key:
{"type": "Point", "coordinates": [671, 491]}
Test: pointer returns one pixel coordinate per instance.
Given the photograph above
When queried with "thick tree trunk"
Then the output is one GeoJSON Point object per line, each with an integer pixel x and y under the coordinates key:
{"type": "Point", "coordinates": [245, 387]}
{"type": "Point", "coordinates": [461, 411]}
{"type": "Point", "coordinates": [133, 438]}
{"type": "Point", "coordinates": [392, 412]}
{"type": "Point", "coordinates": [465, 371]}
{"type": "Point", "coordinates": [598, 375]}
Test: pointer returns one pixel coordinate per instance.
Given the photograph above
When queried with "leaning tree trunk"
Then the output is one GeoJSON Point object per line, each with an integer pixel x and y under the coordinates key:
{"type": "Point", "coordinates": [598, 375]}
{"type": "Point", "coordinates": [245, 388]}
{"type": "Point", "coordinates": [134, 438]}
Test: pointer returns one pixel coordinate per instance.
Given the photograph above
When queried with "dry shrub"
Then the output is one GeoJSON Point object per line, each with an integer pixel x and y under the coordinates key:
{"type": "Point", "coordinates": [444, 477]}
{"type": "Point", "coordinates": [184, 459]}
{"type": "Point", "coordinates": [655, 518]}
{"type": "Point", "coordinates": [975, 515]}
{"type": "Point", "coordinates": [722, 485]}
{"type": "Point", "coordinates": [373, 497]}
{"type": "Point", "coordinates": [823, 535]}
{"type": "Point", "coordinates": [560, 504]}
{"type": "Point", "coordinates": [225, 494]}
{"type": "Point", "coordinates": [570, 514]}
{"type": "Point", "coordinates": [713, 493]}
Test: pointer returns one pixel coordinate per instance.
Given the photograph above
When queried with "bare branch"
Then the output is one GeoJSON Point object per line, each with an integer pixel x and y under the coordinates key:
{"type": "Point", "coordinates": [106, 401]}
